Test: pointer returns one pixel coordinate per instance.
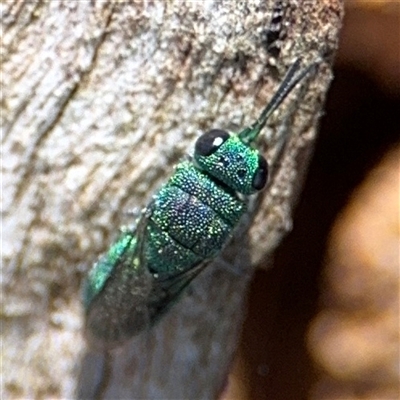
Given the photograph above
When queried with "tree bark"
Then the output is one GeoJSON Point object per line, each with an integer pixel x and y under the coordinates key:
{"type": "Point", "coordinates": [99, 100]}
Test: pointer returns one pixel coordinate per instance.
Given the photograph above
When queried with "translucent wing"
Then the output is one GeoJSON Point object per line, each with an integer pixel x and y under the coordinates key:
{"type": "Point", "coordinates": [167, 289]}
{"type": "Point", "coordinates": [123, 297]}
{"type": "Point", "coordinates": [118, 309]}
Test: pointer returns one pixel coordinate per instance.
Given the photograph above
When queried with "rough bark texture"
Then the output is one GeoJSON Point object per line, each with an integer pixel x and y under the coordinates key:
{"type": "Point", "coordinates": [99, 101]}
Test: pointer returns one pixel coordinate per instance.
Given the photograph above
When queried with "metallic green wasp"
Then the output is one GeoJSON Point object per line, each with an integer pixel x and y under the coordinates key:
{"type": "Point", "coordinates": [186, 225]}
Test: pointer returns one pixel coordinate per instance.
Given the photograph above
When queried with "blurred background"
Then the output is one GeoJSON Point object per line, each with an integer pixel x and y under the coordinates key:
{"type": "Point", "coordinates": [323, 323]}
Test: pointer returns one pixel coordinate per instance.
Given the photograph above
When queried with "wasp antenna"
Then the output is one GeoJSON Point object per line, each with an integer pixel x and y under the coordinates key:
{"type": "Point", "coordinates": [290, 80]}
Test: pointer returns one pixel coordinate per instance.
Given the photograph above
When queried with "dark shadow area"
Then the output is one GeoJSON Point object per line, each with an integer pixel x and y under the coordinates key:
{"type": "Point", "coordinates": [360, 124]}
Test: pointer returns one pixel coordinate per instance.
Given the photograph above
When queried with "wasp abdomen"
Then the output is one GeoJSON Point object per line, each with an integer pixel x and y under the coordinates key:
{"type": "Point", "coordinates": [192, 217]}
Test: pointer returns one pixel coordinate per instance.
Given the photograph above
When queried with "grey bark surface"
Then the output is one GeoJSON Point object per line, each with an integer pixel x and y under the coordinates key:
{"type": "Point", "coordinates": [99, 101]}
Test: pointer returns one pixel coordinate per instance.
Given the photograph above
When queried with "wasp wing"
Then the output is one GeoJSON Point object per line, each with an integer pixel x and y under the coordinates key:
{"type": "Point", "coordinates": [117, 291]}
{"type": "Point", "coordinates": [123, 297]}
{"type": "Point", "coordinates": [168, 287]}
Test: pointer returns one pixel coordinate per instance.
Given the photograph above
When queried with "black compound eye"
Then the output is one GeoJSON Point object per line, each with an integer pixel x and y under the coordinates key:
{"type": "Point", "coordinates": [261, 175]}
{"type": "Point", "coordinates": [210, 142]}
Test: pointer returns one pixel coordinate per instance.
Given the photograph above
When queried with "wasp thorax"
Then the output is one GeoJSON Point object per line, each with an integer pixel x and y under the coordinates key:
{"type": "Point", "coordinates": [225, 157]}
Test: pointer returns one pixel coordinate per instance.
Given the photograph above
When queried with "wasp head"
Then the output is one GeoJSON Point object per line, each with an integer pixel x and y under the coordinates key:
{"type": "Point", "coordinates": [226, 158]}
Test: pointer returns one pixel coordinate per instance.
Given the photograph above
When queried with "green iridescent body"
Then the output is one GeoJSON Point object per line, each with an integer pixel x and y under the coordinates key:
{"type": "Point", "coordinates": [192, 217]}
{"type": "Point", "coordinates": [187, 223]}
